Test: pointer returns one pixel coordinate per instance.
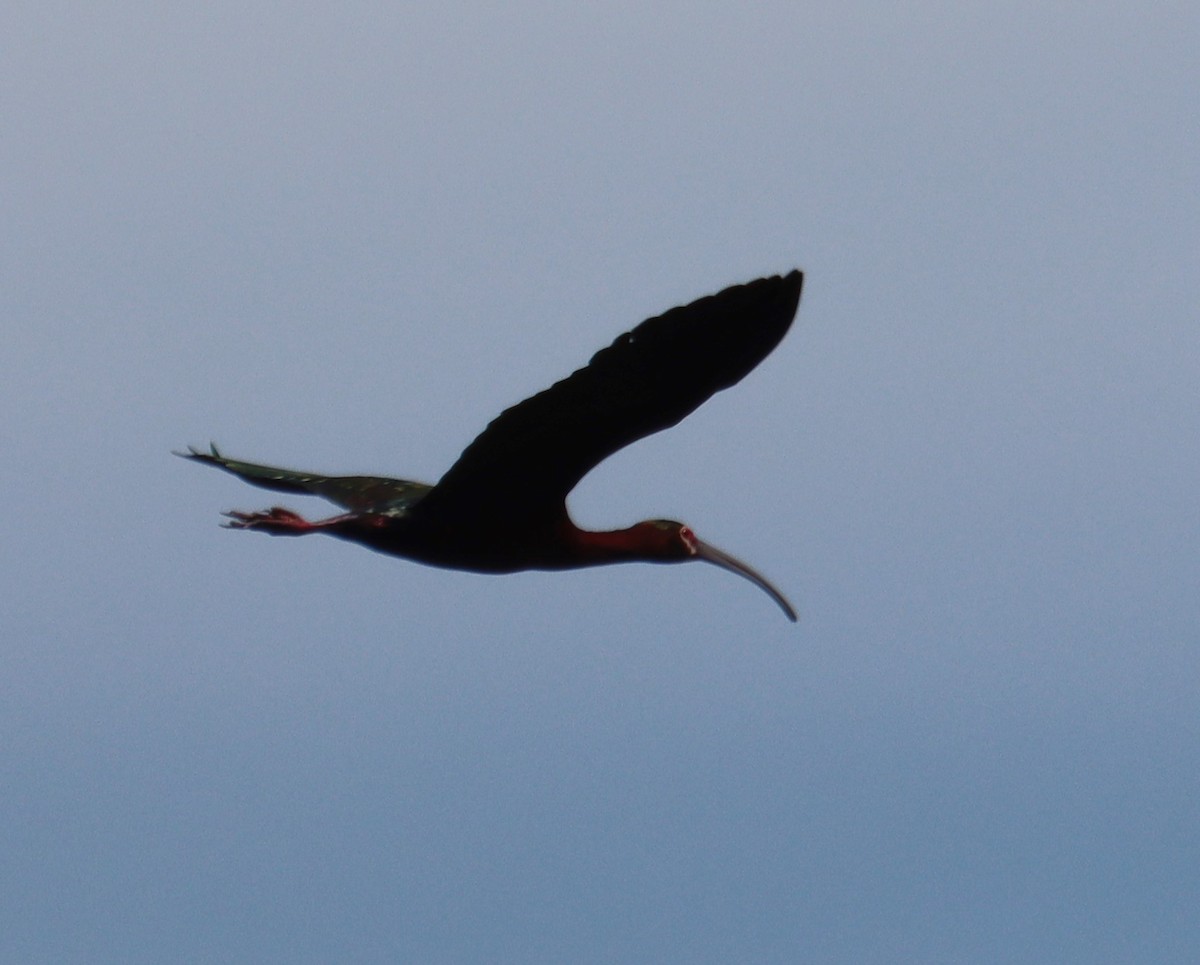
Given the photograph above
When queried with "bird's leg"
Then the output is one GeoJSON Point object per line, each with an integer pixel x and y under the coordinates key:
{"type": "Point", "coordinates": [282, 522]}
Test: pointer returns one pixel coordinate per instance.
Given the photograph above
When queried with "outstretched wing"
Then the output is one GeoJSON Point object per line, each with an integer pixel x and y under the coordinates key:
{"type": "Point", "coordinates": [377, 494]}
{"type": "Point", "coordinates": [522, 466]}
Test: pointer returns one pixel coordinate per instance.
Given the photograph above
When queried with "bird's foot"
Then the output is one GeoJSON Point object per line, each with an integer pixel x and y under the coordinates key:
{"type": "Point", "coordinates": [276, 521]}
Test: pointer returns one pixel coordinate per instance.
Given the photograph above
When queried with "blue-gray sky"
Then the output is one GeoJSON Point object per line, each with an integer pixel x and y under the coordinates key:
{"type": "Point", "coordinates": [344, 237]}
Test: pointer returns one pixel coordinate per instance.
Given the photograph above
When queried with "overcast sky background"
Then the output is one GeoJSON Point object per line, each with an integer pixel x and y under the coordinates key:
{"type": "Point", "coordinates": [343, 237]}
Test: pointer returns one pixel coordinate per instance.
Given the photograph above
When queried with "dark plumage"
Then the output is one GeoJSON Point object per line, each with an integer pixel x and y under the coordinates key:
{"type": "Point", "coordinates": [501, 507]}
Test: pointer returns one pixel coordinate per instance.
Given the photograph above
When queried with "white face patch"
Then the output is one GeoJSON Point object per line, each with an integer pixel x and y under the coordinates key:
{"type": "Point", "coordinates": [689, 540]}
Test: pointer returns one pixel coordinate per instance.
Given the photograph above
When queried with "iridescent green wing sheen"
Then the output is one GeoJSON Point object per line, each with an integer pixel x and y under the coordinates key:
{"type": "Point", "coordinates": [374, 494]}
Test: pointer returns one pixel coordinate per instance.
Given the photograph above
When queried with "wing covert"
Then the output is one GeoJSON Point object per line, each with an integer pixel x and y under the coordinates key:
{"type": "Point", "coordinates": [355, 493]}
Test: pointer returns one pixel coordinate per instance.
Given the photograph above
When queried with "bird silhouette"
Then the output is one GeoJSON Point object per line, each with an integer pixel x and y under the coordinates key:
{"type": "Point", "coordinates": [502, 506]}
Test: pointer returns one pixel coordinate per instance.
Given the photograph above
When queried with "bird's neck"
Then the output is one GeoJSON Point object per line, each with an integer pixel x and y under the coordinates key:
{"type": "Point", "coordinates": [642, 541]}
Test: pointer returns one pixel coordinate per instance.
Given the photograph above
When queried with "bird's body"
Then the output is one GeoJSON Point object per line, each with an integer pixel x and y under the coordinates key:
{"type": "Point", "coordinates": [502, 506]}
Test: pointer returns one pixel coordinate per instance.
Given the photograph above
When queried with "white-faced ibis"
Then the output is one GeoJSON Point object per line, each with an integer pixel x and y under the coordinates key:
{"type": "Point", "coordinates": [502, 506]}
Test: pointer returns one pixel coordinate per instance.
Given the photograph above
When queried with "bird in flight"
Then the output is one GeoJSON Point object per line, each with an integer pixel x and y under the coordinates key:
{"type": "Point", "coordinates": [502, 506]}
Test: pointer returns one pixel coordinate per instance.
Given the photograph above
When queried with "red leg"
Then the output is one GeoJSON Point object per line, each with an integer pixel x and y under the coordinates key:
{"type": "Point", "coordinates": [280, 522]}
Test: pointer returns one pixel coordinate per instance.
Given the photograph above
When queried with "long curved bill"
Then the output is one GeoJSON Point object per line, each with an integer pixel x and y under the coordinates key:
{"type": "Point", "coordinates": [711, 554]}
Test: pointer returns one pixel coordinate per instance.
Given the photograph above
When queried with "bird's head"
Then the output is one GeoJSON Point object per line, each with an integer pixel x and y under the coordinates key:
{"type": "Point", "coordinates": [667, 541]}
